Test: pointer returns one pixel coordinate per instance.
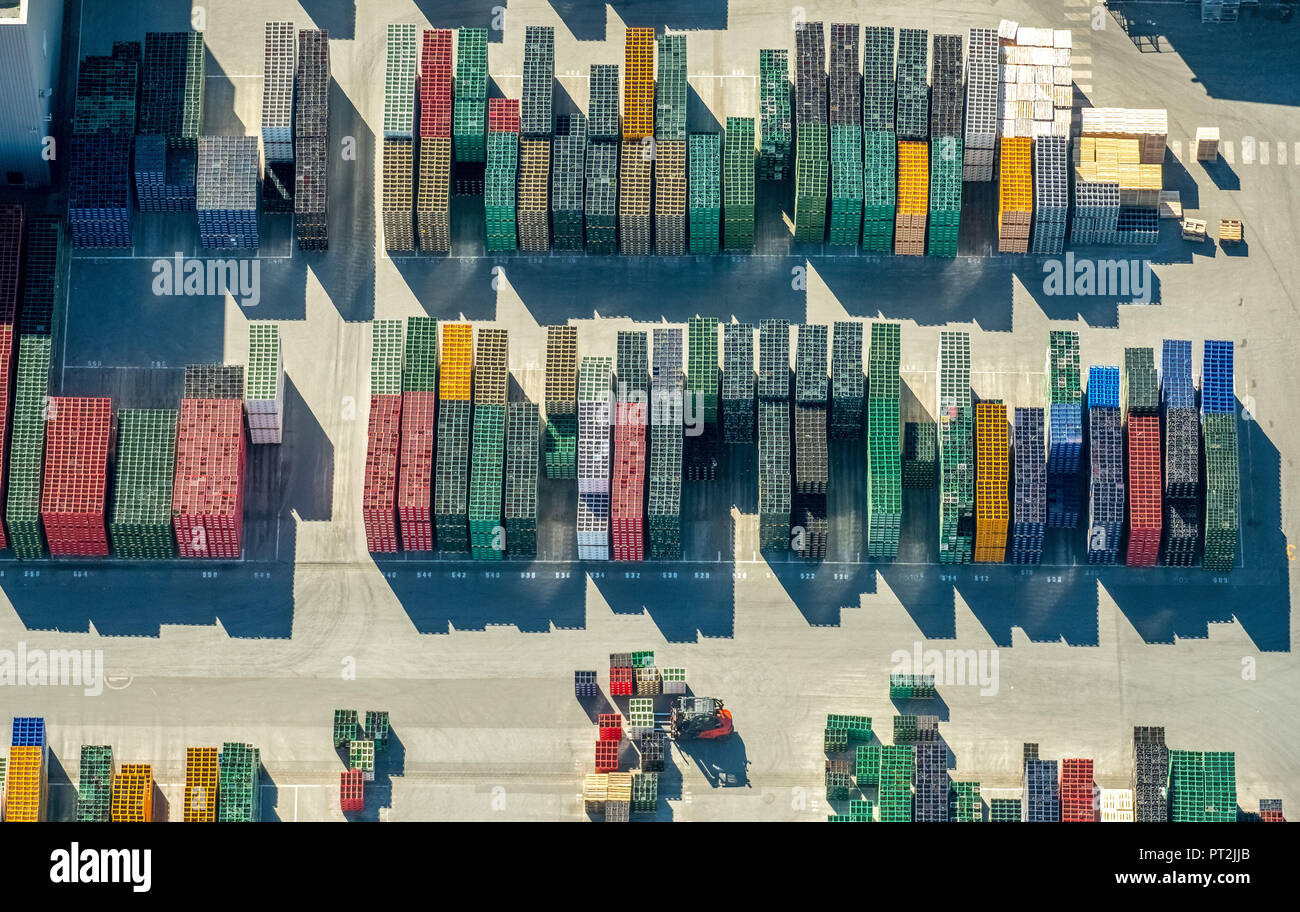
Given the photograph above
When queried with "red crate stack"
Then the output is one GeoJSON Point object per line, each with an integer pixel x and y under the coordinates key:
{"type": "Point", "coordinates": [352, 790]}
{"type": "Point", "coordinates": [627, 490]}
{"type": "Point", "coordinates": [622, 682]}
{"type": "Point", "coordinates": [379, 495]}
{"type": "Point", "coordinates": [1077, 791]}
{"type": "Point", "coordinates": [208, 491]}
{"type": "Point", "coordinates": [607, 756]}
{"type": "Point", "coordinates": [76, 476]}
{"type": "Point", "coordinates": [611, 726]}
{"type": "Point", "coordinates": [435, 84]}
{"type": "Point", "coordinates": [503, 115]}
{"type": "Point", "coordinates": [1145, 512]}
{"type": "Point", "coordinates": [415, 470]}
{"type": "Point", "coordinates": [11, 236]}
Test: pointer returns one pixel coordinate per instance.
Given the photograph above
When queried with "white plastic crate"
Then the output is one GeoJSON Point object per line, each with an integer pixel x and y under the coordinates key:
{"type": "Point", "coordinates": [1116, 805]}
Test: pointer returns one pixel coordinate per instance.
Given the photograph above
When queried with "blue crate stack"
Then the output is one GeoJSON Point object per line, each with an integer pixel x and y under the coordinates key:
{"type": "Point", "coordinates": [1106, 479]}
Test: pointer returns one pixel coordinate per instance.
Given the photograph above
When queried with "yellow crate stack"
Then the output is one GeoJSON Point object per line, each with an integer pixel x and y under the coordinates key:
{"type": "Point", "coordinates": [133, 794]}
{"type": "Point", "coordinates": [457, 359]}
{"type": "Point", "coordinates": [26, 785]}
{"type": "Point", "coordinates": [913, 198]}
{"type": "Point", "coordinates": [200, 785]}
{"type": "Point", "coordinates": [1015, 196]}
{"type": "Point", "coordinates": [992, 507]}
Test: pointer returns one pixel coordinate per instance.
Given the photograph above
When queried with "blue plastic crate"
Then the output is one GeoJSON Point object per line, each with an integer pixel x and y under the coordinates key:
{"type": "Point", "coordinates": [28, 731]}
{"type": "Point", "coordinates": [1103, 386]}
{"type": "Point", "coordinates": [1176, 387]}
{"type": "Point", "coordinates": [1064, 437]}
{"type": "Point", "coordinates": [1216, 378]}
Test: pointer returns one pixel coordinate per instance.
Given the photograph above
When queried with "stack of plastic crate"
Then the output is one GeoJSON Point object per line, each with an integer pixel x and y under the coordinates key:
{"type": "Point", "coordinates": [568, 163]}
{"type": "Point", "coordinates": [1051, 195]}
{"type": "Point", "coordinates": [700, 453]}
{"type": "Point", "coordinates": [911, 687]}
{"type": "Point", "coordinates": [636, 156]}
{"type": "Point", "coordinates": [1220, 772]}
{"type": "Point", "coordinates": [912, 87]}
{"type": "Point", "coordinates": [164, 178]}
{"type": "Point", "coordinates": [311, 136]}
{"type": "Point", "coordinates": [534, 194]}
{"type": "Point", "coordinates": [1015, 195]}
{"type": "Point", "coordinates": [774, 435]}
{"type": "Point", "coordinates": [419, 430]}
{"type": "Point", "coordinates": [27, 447]}
{"type": "Point", "coordinates": [774, 113]}
{"type": "Point", "coordinates": [704, 192]}
{"type": "Point", "coordinates": [469, 100]}
{"type": "Point", "coordinates": [523, 426]}
{"type": "Point", "coordinates": [200, 785]}
{"type": "Point", "coordinates": [170, 118]}
{"type": "Point", "coordinates": [965, 804]}
{"type": "Point", "coordinates": [214, 381]}
{"type": "Point", "coordinates": [1270, 810]}
{"type": "Point", "coordinates": [982, 112]}
{"type": "Point", "coordinates": [132, 798]}
{"type": "Point", "coordinates": [399, 139]}
{"type": "Point", "coordinates": [11, 243]}
{"type": "Point", "coordinates": [627, 488]}
{"type": "Point", "coordinates": [845, 136]}
{"type": "Point", "coordinates": [1037, 81]}
{"type": "Point", "coordinates": [99, 177]}
{"type": "Point", "coordinates": [1076, 789]}
{"type": "Point", "coordinates": [1096, 212]}
{"type": "Point", "coordinates": [638, 84]}
{"type": "Point", "coordinates": [945, 146]}
{"type": "Point", "coordinates": [95, 786]}
{"type": "Point", "coordinates": [560, 443]}
{"type": "Point", "coordinates": [1222, 464]}
{"type": "Point", "coordinates": [27, 775]}
{"type": "Point", "coordinates": [847, 382]}
{"type": "Point", "coordinates": [664, 511]}
{"type": "Point", "coordinates": [1064, 429]}
{"type": "Point", "coordinates": [264, 392]}
{"type": "Point", "coordinates": [1106, 481]}
{"type": "Point", "coordinates": [897, 770]}
{"type": "Point", "coordinates": [227, 193]}
{"type": "Point", "coordinates": [879, 149]}
{"type": "Point", "coordinates": [383, 437]}
{"type": "Point", "coordinates": [738, 382]}
{"type": "Point", "coordinates": [1182, 454]}
{"type": "Point", "coordinates": [599, 210]}
{"type": "Point", "coordinates": [812, 135]}
{"type": "Point", "coordinates": [451, 461]}
{"type": "Point", "coordinates": [1029, 511]}
{"type": "Point", "coordinates": [76, 476]}
{"type": "Point", "coordinates": [501, 173]}
{"type": "Point", "coordinates": [913, 198]}
{"type": "Point", "coordinates": [956, 450]}
{"type": "Point", "coordinates": [1041, 792]}
{"type": "Point", "coordinates": [634, 208]}
{"type": "Point", "coordinates": [536, 118]}
{"type": "Point", "coordinates": [603, 103]}
{"type": "Point", "coordinates": [594, 414]}
{"type": "Point", "coordinates": [487, 449]}
{"type": "Point", "coordinates": [433, 202]}
{"type": "Point", "coordinates": [920, 454]}
{"type": "Point", "coordinates": [278, 63]}
{"type": "Point", "coordinates": [809, 524]}
{"type": "Point", "coordinates": [208, 488]}
{"type": "Point", "coordinates": [670, 147]}
{"type": "Point", "coordinates": [140, 524]}
{"type": "Point", "coordinates": [931, 799]}
{"type": "Point", "coordinates": [738, 185]}
{"type": "Point", "coordinates": [884, 463]}
{"type": "Point", "coordinates": [239, 767]}
{"type": "Point", "coordinates": [992, 470]}
{"type": "Point", "coordinates": [1140, 395]}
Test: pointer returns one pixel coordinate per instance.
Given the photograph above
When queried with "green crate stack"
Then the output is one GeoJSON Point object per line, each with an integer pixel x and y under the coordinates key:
{"type": "Point", "coordinates": [704, 192]}
{"type": "Point", "coordinates": [361, 756]}
{"type": "Point", "coordinates": [670, 90]}
{"type": "Point", "coordinates": [487, 449]}
{"type": "Point", "coordinates": [867, 764]}
{"type": "Point", "coordinates": [897, 770]}
{"type": "Point", "coordinates": [1063, 366]}
{"type": "Point", "coordinates": [905, 729]}
{"type": "Point", "coordinates": [920, 454]}
{"type": "Point", "coordinates": [774, 481]}
{"type": "Point", "coordinates": [645, 791]}
{"type": "Point", "coordinates": [1220, 777]}
{"type": "Point", "coordinates": [1139, 385]}
{"type": "Point", "coordinates": [604, 104]}
{"type": "Point", "coordinates": [377, 728]}
{"type": "Point", "coordinates": [702, 367]}
{"type": "Point", "coordinates": [522, 426]}
{"type": "Point", "coordinates": [738, 185]}
{"type": "Point", "coordinates": [967, 806]}
{"type": "Point", "coordinates": [567, 166]}
{"type": "Point", "coordinates": [469, 101]}
{"type": "Point", "coordinates": [95, 788]}
{"type": "Point", "coordinates": [1004, 810]}
{"type": "Point", "coordinates": [27, 448]}
{"type": "Point", "coordinates": [884, 464]}
{"type": "Point", "coordinates": [1222, 490]}
{"type": "Point", "coordinates": [399, 81]}
{"type": "Point", "coordinates": [420, 358]}
{"type": "Point", "coordinates": [643, 658]}
{"type": "Point", "coordinates": [839, 779]}
{"type": "Point", "coordinates": [451, 472]}
{"type": "Point", "coordinates": [811, 166]}
{"type": "Point", "coordinates": [846, 184]}
{"type": "Point", "coordinates": [1186, 787]}
{"type": "Point", "coordinates": [499, 206]}
{"type": "Point", "coordinates": [848, 384]}
{"type": "Point", "coordinates": [862, 811]}
{"type": "Point", "coordinates": [240, 797]}
{"type": "Point", "coordinates": [945, 195]}
{"type": "Point", "coordinates": [140, 526]}
{"type": "Point", "coordinates": [602, 195]}
{"type": "Point", "coordinates": [346, 726]}
{"type": "Point", "coordinates": [879, 190]}
{"type": "Point", "coordinates": [386, 357]}
{"type": "Point", "coordinates": [774, 114]}
{"type": "Point", "coordinates": [858, 727]}
{"type": "Point", "coordinates": [738, 382]}
{"type": "Point", "coordinates": [911, 687]}
{"type": "Point", "coordinates": [956, 450]}
{"type": "Point", "coordinates": [664, 503]}
{"type": "Point", "coordinates": [835, 740]}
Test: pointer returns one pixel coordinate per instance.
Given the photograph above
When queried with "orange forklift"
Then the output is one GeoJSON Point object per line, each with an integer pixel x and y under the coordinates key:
{"type": "Point", "coordinates": [699, 718]}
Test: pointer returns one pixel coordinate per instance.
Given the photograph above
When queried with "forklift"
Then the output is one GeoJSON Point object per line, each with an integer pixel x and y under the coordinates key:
{"type": "Point", "coordinates": [699, 718]}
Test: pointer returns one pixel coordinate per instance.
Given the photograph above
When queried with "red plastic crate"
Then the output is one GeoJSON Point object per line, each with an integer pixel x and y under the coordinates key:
{"type": "Point", "coordinates": [607, 756]}
{"type": "Point", "coordinates": [415, 469]}
{"type": "Point", "coordinates": [208, 489]}
{"type": "Point", "coordinates": [379, 492]}
{"type": "Point", "coordinates": [352, 790]}
{"type": "Point", "coordinates": [1077, 787]}
{"type": "Point", "coordinates": [76, 475]}
{"type": "Point", "coordinates": [622, 682]}
{"type": "Point", "coordinates": [1271, 817]}
{"type": "Point", "coordinates": [435, 83]}
{"type": "Point", "coordinates": [503, 115]}
{"type": "Point", "coordinates": [627, 488]}
{"type": "Point", "coordinates": [1144, 488]}
{"type": "Point", "coordinates": [611, 726]}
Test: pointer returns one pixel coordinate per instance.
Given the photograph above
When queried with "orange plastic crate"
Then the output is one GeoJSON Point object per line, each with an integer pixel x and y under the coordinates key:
{"type": "Point", "coordinates": [914, 178]}
{"type": "Point", "coordinates": [200, 784]}
{"type": "Point", "coordinates": [1015, 178]}
{"type": "Point", "coordinates": [992, 507]}
{"type": "Point", "coordinates": [25, 785]}
{"type": "Point", "coordinates": [639, 83]}
{"type": "Point", "coordinates": [132, 800]}
{"type": "Point", "coordinates": [457, 358]}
